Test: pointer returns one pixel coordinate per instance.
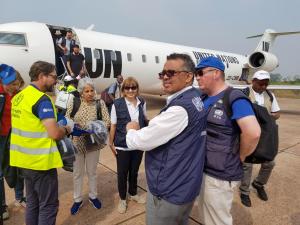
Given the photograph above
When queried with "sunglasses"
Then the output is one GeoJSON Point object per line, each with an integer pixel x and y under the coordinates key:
{"type": "Point", "coordinates": [201, 73]}
{"type": "Point", "coordinates": [169, 73]}
{"type": "Point", "coordinates": [134, 88]}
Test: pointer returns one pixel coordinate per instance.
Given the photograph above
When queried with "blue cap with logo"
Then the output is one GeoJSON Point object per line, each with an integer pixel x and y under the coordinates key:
{"type": "Point", "coordinates": [211, 61]}
{"type": "Point", "coordinates": [7, 74]}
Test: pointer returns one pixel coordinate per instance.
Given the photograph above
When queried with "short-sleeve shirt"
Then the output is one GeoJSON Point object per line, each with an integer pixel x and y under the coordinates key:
{"type": "Point", "coordinates": [261, 100]}
{"type": "Point", "coordinates": [76, 62]}
{"type": "Point", "coordinates": [114, 89]}
{"type": "Point", "coordinates": [44, 108]}
{"type": "Point", "coordinates": [240, 107]}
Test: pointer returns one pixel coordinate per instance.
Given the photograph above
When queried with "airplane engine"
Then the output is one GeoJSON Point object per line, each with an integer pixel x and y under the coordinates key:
{"type": "Point", "coordinates": [263, 61]}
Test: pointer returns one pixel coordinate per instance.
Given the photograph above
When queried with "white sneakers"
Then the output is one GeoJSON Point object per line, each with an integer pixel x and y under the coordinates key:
{"type": "Point", "coordinates": [122, 206]}
{"type": "Point", "coordinates": [137, 198]}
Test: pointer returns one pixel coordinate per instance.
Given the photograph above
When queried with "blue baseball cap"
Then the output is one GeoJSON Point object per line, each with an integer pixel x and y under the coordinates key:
{"type": "Point", "coordinates": [7, 74]}
{"type": "Point", "coordinates": [211, 61]}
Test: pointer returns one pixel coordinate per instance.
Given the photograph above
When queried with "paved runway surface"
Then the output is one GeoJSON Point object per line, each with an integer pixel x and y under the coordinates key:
{"type": "Point", "coordinates": [283, 207]}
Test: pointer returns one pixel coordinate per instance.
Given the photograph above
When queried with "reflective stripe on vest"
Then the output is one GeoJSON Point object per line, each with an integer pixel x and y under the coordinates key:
{"type": "Point", "coordinates": [35, 151]}
{"type": "Point", "coordinates": [29, 134]}
{"type": "Point", "coordinates": [71, 88]}
{"type": "Point", "coordinates": [31, 147]}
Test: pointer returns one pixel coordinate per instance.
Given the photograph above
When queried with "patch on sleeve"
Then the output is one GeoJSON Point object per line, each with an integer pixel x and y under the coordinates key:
{"type": "Point", "coordinates": [45, 110]}
{"type": "Point", "coordinates": [198, 103]}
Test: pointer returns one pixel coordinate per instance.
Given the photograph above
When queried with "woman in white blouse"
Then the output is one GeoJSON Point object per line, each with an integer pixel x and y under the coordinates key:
{"type": "Point", "coordinates": [130, 107]}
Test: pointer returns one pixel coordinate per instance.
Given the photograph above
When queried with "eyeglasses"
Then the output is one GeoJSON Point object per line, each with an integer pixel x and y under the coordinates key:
{"type": "Point", "coordinates": [200, 73]}
{"type": "Point", "coordinates": [169, 73]}
{"type": "Point", "coordinates": [54, 76]}
{"type": "Point", "coordinates": [134, 88]}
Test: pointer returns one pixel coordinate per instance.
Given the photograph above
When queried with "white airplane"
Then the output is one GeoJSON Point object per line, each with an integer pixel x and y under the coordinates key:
{"type": "Point", "coordinates": [107, 55]}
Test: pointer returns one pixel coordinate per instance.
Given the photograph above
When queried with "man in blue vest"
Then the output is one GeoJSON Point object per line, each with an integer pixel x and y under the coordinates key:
{"type": "Point", "coordinates": [174, 142]}
{"type": "Point", "coordinates": [230, 138]}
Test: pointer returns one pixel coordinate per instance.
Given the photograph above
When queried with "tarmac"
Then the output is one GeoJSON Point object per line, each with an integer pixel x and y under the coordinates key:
{"type": "Point", "coordinates": [283, 188]}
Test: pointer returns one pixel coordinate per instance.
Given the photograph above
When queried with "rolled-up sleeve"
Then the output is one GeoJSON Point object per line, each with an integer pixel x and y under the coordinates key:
{"type": "Point", "coordinates": [160, 130]}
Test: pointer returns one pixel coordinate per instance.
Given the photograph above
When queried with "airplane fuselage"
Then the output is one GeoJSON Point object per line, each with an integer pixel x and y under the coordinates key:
{"type": "Point", "coordinates": [107, 55]}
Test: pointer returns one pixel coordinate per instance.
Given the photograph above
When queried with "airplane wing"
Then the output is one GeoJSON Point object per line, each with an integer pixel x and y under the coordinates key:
{"type": "Point", "coordinates": [271, 87]}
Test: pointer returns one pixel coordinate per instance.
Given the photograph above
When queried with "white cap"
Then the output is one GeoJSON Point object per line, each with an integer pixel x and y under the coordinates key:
{"type": "Point", "coordinates": [261, 75]}
{"type": "Point", "coordinates": [68, 78]}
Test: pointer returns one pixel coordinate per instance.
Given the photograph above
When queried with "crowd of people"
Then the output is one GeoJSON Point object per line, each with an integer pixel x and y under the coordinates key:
{"type": "Point", "coordinates": [196, 148]}
{"type": "Point", "coordinates": [68, 52]}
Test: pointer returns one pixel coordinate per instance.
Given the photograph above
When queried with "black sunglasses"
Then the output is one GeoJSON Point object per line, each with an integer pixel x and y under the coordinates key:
{"type": "Point", "coordinates": [169, 73]}
{"type": "Point", "coordinates": [200, 73]}
{"type": "Point", "coordinates": [127, 88]}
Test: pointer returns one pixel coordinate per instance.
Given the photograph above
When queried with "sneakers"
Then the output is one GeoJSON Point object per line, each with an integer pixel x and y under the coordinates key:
{"type": "Point", "coordinates": [95, 202]}
{"type": "Point", "coordinates": [260, 191]}
{"type": "Point", "coordinates": [5, 214]}
{"type": "Point", "coordinates": [20, 202]}
{"type": "Point", "coordinates": [137, 198]}
{"type": "Point", "coordinates": [122, 206]}
{"type": "Point", "coordinates": [245, 199]}
{"type": "Point", "coordinates": [75, 207]}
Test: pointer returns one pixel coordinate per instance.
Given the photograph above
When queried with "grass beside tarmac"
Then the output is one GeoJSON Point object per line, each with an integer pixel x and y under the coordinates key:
{"type": "Point", "coordinates": [287, 93]}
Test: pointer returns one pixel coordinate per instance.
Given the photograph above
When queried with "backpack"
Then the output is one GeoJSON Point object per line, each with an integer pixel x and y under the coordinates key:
{"type": "Point", "coordinates": [267, 147]}
{"type": "Point", "coordinates": [77, 103]}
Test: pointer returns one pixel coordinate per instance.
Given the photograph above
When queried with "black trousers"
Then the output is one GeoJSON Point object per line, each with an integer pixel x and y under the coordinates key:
{"type": "Point", "coordinates": [42, 196]}
{"type": "Point", "coordinates": [128, 163]}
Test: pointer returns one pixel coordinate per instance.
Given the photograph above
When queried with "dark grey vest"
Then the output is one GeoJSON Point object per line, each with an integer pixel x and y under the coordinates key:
{"type": "Point", "coordinates": [223, 140]}
{"type": "Point", "coordinates": [174, 170]}
{"type": "Point", "coordinates": [123, 118]}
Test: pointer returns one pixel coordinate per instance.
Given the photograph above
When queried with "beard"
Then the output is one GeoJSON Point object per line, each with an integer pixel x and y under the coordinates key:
{"type": "Point", "coordinates": [49, 88]}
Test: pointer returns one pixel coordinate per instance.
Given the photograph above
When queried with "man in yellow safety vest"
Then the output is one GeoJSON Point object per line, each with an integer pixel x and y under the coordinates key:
{"type": "Point", "coordinates": [33, 143]}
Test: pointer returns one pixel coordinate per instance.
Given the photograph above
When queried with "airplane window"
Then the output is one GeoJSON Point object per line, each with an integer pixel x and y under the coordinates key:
{"type": "Point", "coordinates": [12, 39]}
{"type": "Point", "coordinates": [156, 59]}
{"type": "Point", "coordinates": [144, 58]}
{"type": "Point", "coordinates": [129, 57]}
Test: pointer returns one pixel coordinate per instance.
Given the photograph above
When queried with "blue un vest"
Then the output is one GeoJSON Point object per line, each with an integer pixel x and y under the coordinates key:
{"type": "Point", "coordinates": [123, 118]}
{"type": "Point", "coordinates": [174, 170]}
{"type": "Point", "coordinates": [223, 141]}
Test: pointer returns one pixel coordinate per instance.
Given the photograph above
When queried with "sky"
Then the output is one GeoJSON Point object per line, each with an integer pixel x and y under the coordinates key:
{"type": "Point", "coordinates": [211, 24]}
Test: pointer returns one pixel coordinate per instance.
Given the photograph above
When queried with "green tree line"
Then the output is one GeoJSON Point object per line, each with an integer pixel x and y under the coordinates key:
{"type": "Point", "coordinates": [277, 78]}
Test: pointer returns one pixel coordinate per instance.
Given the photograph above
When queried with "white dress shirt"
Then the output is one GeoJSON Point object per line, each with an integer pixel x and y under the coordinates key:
{"type": "Point", "coordinates": [133, 112]}
{"type": "Point", "coordinates": [259, 98]}
{"type": "Point", "coordinates": [161, 128]}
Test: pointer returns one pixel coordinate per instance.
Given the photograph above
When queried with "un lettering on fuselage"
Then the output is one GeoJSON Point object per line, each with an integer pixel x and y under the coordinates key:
{"type": "Point", "coordinates": [105, 61]}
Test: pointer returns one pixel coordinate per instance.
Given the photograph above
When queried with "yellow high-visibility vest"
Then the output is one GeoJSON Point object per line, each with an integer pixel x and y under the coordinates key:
{"type": "Point", "coordinates": [71, 88]}
{"type": "Point", "coordinates": [68, 89]}
{"type": "Point", "coordinates": [30, 146]}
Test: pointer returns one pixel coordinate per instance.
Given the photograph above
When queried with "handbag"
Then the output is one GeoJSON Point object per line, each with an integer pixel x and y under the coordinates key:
{"type": "Point", "coordinates": [67, 152]}
{"type": "Point", "coordinates": [106, 98]}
